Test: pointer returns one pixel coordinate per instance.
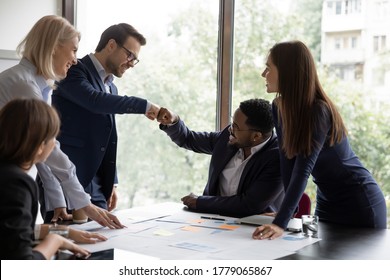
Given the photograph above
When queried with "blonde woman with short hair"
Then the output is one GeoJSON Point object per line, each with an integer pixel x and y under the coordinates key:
{"type": "Point", "coordinates": [49, 39]}
{"type": "Point", "coordinates": [48, 51]}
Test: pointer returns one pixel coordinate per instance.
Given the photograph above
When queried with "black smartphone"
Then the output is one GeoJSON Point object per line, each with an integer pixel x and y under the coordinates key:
{"type": "Point", "coordinates": [99, 255]}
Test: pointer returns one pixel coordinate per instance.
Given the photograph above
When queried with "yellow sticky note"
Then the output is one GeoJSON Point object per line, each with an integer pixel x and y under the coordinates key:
{"type": "Point", "coordinates": [229, 227]}
{"type": "Point", "coordinates": [191, 228]}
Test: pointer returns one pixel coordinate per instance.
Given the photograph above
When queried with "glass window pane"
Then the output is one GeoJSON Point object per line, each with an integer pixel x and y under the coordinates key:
{"type": "Point", "coordinates": [354, 77]}
{"type": "Point", "coordinates": [177, 70]}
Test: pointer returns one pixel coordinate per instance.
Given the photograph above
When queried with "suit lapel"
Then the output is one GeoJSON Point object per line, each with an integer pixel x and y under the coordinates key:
{"type": "Point", "coordinates": [221, 157]}
{"type": "Point", "coordinates": [252, 161]}
{"type": "Point", "coordinates": [95, 75]}
{"type": "Point", "coordinates": [97, 81]}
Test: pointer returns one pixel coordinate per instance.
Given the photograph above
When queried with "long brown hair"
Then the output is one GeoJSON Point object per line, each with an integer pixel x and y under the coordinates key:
{"type": "Point", "coordinates": [24, 125]}
{"type": "Point", "coordinates": [299, 90]}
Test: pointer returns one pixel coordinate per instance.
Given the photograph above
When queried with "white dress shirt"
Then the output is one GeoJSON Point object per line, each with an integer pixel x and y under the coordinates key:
{"type": "Point", "coordinates": [229, 178]}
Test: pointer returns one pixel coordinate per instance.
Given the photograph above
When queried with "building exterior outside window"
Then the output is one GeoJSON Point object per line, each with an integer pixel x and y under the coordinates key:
{"type": "Point", "coordinates": [365, 24]}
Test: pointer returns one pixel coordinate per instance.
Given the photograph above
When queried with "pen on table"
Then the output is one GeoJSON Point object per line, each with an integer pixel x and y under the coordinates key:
{"type": "Point", "coordinates": [212, 218]}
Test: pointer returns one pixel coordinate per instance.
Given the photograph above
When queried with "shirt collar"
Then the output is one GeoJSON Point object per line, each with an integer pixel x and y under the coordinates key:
{"type": "Point", "coordinates": [260, 146]}
{"type": "Point", "coordinates": [254, 149]}
{"type": "Point", "coordinates": [106, 78]}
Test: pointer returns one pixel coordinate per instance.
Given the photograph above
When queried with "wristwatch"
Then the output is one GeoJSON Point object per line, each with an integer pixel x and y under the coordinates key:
{"type": "Point", "coordinates": [60, 230]}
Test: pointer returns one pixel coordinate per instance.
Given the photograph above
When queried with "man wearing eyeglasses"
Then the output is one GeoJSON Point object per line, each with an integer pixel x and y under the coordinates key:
{"type": "Point", "coordinates": [244, 173]}
{"type": "Point", "coordinates": [87, 101]}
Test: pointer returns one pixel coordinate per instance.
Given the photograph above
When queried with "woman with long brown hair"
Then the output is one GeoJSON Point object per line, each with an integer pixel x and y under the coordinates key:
{"type": "Point", "coordinates": [313, 141]}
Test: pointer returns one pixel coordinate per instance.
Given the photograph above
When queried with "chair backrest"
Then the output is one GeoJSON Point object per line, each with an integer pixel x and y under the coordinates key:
{"type": "Point", "coordinates": [304, 206]}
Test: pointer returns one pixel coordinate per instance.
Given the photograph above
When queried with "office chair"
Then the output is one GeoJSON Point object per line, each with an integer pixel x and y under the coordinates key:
{"type": "Point", "coordinates": [304, 206]}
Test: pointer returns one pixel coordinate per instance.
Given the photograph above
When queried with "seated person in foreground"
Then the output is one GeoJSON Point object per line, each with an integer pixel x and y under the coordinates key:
{"type": "Point", "coordinates": [244, 173]}
{"type": "Point", "coordinates": [28, 130]}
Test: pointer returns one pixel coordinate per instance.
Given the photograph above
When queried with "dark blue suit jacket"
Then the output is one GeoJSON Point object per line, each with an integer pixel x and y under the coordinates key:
{"type": "Point", "coordinates": [347, 193]}
{"type": "Point", "coordinates": [88, 132]}
{"type": "Point", "coordinates": [260, 188]}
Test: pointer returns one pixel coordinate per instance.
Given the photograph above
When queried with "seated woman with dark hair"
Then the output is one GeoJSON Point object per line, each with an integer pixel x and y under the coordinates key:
{"type": "Point", "coordinates": [28, 130]}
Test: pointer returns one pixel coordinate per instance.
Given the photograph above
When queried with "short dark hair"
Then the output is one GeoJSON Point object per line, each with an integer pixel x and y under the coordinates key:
{"type": "Point", "coordinates": [259, 114]}
{"type": "Point", "coordinates": [119, 32]}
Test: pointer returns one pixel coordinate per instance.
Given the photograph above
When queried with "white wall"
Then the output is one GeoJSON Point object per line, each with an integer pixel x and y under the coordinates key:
{"type": "Point", "coordinates": [16, 19]}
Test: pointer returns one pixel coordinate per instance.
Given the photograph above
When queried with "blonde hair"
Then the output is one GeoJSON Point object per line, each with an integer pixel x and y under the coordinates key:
{"type": "Point", "coordinates": [40, 43]}
{"type": "Point", "coordinates": [24, 125]}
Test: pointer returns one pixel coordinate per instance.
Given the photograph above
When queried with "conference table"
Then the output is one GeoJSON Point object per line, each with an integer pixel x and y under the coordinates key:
{"type": "Point", "coordinates": [346, 243]}
{"type": "Point", "coordinates": [166, 231]}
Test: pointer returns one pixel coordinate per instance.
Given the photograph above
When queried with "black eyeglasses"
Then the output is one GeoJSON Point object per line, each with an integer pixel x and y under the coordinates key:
{"type": "Point", "coordinates": [131, 56]}
{"type": "Point", "coordinates": [234, 127]}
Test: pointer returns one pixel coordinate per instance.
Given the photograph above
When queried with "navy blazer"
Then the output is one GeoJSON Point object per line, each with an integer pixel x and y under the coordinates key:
{"type": "Point", "coordinates": [88, 131]}
{"type": "Point", "coordinates": [18, 208]}
{"type": "Point", "coordinates": [260, 188]}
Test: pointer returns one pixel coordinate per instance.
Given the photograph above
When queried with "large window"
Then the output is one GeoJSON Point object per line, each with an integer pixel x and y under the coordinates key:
{"type": "Point", "coordinates": [177, 70]}
{"type": "Point", "coordinates": [179, 65]}
{"type": "Point", "coordinates": [352, 76]}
